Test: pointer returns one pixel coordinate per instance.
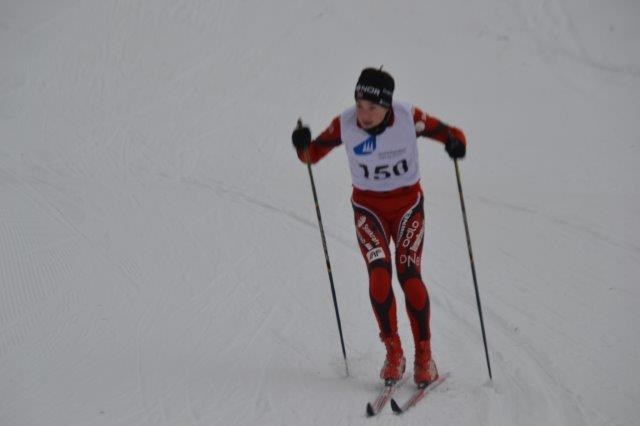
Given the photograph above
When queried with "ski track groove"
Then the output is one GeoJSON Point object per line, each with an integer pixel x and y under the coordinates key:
{"type": "Point", "coordinates": [17, 333]}
{"type": "Point", "coordinates": [586, 230]}
{"type": "Point", "coordinates": [54, 213]}
{"type": "Point", "coordinates": [241, 196]}
{"type": "Point", "coordinates": [500, 336]}
{"type": "Point", "coordinates": [33, 298]}
{"type": "Point", "coordinates": [60, 311]}
{"type": "Point", "coordinates": [562, 400]}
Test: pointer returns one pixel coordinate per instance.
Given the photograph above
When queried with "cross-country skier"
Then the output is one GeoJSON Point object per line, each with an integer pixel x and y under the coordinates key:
{"type": "Point", "coordinates": [380, 136]}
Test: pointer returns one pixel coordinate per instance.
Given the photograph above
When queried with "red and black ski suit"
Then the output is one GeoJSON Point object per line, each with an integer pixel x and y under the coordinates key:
{"type": "Point", "coordinates": [391, 215]}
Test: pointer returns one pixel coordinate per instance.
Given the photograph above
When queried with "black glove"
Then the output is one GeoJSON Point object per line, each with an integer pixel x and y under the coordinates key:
{"type": "Point", "coordinates": [301, 137]}
{"type": "Point", "coordinates": [455, 147]}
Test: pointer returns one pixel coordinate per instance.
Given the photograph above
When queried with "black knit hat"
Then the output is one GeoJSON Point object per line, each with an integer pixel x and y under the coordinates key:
{"type": "Point", "coordinates": [376, 86]}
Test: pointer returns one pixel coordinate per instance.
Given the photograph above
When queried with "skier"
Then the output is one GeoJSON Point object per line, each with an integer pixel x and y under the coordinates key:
{"type": "Point", "coordinates": [380, 136]}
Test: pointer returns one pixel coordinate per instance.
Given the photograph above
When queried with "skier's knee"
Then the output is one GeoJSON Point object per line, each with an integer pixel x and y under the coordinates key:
{"type": "Point", "coordinates": [379, 284]}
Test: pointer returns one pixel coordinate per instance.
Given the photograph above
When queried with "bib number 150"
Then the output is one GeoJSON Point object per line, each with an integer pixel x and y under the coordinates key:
{"type": "Point", "coordinates": [385, 171]}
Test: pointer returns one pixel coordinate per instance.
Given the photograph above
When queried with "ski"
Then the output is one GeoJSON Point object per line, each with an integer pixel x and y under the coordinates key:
{"type": "Point", "coordinates": [419, 393]}
{"type": "Point", "coordinates": [383, 397]}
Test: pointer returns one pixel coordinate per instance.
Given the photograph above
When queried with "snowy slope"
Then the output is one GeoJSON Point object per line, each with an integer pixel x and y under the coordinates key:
{"type": "Point", "coordinates": [160, 262]}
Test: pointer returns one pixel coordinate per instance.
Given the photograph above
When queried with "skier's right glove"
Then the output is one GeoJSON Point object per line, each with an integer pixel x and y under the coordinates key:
{"type": "Point", "coordinates": [301, 137]}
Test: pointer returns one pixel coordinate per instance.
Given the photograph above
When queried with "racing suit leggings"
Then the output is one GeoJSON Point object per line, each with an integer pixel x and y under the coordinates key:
{"type": "Point", "coordinates": [401, 220]}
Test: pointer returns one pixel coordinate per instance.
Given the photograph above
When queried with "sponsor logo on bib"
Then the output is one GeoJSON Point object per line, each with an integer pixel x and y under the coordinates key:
{"type": "Point", "coordinates": [366, 147]}
{"type": "Point", "coordinates": [375, 254]}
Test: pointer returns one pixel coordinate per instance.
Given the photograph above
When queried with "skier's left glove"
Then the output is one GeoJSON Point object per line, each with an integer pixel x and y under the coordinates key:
{"type": "Point", "coordinates": [455, 147]}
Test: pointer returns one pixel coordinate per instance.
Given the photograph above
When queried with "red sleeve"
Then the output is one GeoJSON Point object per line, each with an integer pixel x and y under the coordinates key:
{"type": "Point", "coordinates": [433, 128]}
{"type": "Point", "coordinates": [324, 143]}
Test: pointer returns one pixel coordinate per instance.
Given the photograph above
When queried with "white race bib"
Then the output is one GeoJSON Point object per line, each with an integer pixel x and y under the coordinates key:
{"type": "Point", "coordinates": [386, 161]}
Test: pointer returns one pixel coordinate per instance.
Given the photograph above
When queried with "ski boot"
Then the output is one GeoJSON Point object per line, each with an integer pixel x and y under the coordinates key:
{"type": "Point", "coordinates": [424, 368]}
{"type": "Point", "coordinates": [394, 363]}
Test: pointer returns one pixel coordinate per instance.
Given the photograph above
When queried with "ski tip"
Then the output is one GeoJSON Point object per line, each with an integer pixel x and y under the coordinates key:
{"type": "Point", "coordinates": [395, 407]}
{"type": "Point", "coordinates": [370, 412]}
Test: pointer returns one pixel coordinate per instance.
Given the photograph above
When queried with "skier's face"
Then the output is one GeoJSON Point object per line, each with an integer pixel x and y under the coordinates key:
{"type": "Point", "coordinates": [369, 114]}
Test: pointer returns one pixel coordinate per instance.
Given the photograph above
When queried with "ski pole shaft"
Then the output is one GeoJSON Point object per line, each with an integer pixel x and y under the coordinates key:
{"type": "Point", "coordinates": [473, 267]}
{"type": "Point", "coordinates": [326, 252]}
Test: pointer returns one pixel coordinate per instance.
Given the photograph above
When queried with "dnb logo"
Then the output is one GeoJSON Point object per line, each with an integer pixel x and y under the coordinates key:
{"type": "Point", "coordinates": [366, 147]}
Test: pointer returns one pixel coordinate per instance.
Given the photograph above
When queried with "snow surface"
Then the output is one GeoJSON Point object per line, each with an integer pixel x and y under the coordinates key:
{"type": "Point", "coordinates": [160, 261]}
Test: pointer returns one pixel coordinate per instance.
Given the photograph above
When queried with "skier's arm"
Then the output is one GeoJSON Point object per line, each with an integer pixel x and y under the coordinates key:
{"type": "Point", "coordinates": [433, 128]}
{"type": "Point", "coordinates": [323, 144]}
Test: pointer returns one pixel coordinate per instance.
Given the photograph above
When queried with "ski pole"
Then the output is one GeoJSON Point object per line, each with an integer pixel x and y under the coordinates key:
{"type": "Point", "coordinates": [473, 267]}
{"type": "Point", "coordinates": [326, 251]}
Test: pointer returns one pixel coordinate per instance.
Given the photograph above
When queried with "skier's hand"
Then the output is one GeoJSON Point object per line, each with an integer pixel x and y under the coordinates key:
{"type": "Point", "coordinates": [455, 147]}
{"type": "Point", "coordinates": [301, 136]}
